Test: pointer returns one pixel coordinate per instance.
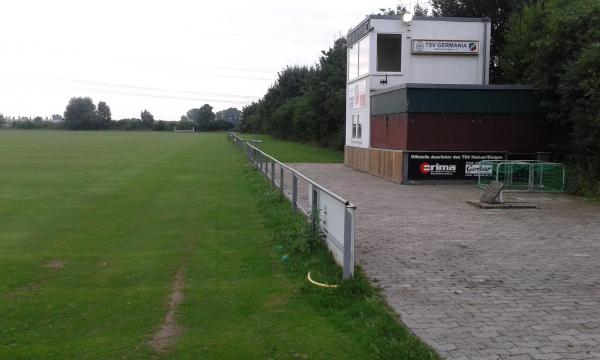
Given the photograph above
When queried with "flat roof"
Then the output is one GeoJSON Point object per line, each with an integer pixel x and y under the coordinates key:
{"type": "Point", "coordinates": [453, 86]}
{"type": "Point", "coordinates": [421, 18]}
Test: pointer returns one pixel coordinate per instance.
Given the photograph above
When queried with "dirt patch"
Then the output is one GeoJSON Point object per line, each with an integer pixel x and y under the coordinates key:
{"type": "Point", "coordinates": [169, 330]}
{"type": "Point", "coordinates": [39, 282]}
{"type": "Point", "coordinates": [55, 264]}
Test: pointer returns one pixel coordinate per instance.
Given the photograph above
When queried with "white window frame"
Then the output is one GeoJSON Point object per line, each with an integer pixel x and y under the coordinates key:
{"type": "Point", "coordinates": [377, 71]}
{"type": "Point", "coordinates": [348, 61]}
{"type": "Point", "coordinates": [356, 127]}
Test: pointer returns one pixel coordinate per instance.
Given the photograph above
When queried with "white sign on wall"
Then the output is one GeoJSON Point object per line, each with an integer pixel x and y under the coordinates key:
{"type": "Point", "coordinates": [451, 47]}
{"type": "Point", "coordinates": [357, 94]}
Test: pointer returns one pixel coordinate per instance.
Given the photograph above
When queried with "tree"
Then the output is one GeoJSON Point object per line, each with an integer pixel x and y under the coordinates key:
{"type": "Point", "coordinates": [305, 104]}
{"type": "Point", "coordinates": [399, 10]}
{"type": "Point", "coordinates": [3, 120]}
{"type": "Point", "coordinates": [184, 124]}
{"type": "Point", "coordinates": [161, 125]}
{"type": "Point", "coordinates": [230, 115]}
{"type": "Point", "coordinates": [291, 82]}
{"type": "Point", "coordinates": [147, 119]}
{"type": "Point", "coordinates": [104, 115]}
{"type": "Point", "coordinates": [202, 117]}
{"type": "Point", "coordinates": [80, 114]}
{"type": "Point", "coordinates": [418, 10]}
{"type": "Point", "coordinates": [555, 46]}
{"type": "Point", "coordinates": [499, 11]}
{"type": "Point", "coordinates": [128, 124]}
{"type": "Point", "coordinates": [249, 119]}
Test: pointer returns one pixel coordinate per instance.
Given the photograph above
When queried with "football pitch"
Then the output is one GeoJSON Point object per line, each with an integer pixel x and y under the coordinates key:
{"type": "Point", "coordinates": [153, 244]}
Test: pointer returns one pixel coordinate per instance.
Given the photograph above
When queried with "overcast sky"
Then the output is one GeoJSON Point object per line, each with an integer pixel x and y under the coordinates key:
{"type": "Point", "coordinates": [164, 56]}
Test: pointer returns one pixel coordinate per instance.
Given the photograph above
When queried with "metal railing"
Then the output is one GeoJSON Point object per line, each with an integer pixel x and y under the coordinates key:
{"type": "Point", "coordinates": [523, 175]}
{"type": "Point", "coordinates": [333, 214]}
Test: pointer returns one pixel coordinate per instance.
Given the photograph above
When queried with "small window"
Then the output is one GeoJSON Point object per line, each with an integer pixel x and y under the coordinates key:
{"type": "Point", "coordinates": [389, 52]}
{"type": "Point", "coordinates": [356, 127]}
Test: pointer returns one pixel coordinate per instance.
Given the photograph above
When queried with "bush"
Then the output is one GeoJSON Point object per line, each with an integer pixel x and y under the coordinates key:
{"type": "Point", "coordinates": [162, 125]}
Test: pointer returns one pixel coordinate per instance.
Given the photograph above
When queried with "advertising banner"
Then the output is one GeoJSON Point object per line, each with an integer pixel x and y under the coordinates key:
{"type": "Point", "coordinates": [451, 47]}
{"type": "Point", "coordinates": [357, 95]}
{"type": "Point", "coordinates": [449, 165]}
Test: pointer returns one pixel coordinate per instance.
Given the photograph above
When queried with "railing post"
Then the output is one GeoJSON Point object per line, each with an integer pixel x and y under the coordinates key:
{"type": "Point", "coordinates": [273, 173]}
{"type": "Point", "coordinates": [314, 212]}
{"type": "Point", "coordinates": [348, 266]}
{"type": "Point", "coordinates": [281, 179]}
{"type": "Point", "coordinates": [264, 164]}
{"type": "Point", "coordinates": [260, 162]}
{"type": "Point", "coordinates": [531, 169]}
{"type": "Point", "coordinates": [294, 193]}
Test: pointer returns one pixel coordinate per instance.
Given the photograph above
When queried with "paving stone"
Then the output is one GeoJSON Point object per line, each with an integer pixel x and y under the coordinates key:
{"type": "Point", "coordinates": [485, 281]}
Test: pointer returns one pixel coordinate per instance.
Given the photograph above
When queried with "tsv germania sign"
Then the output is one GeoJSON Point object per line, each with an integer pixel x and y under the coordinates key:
{"type": "Point", "coordinates": [450, 47]}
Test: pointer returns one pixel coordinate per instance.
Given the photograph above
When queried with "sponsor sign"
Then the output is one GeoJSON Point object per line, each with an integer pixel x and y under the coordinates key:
{"type": "Point", "coordinates": [449, 165]}
{"type": "Point", "coordinates": [451, 47]}
{"type": "Point", "coordinates": [357, 94]}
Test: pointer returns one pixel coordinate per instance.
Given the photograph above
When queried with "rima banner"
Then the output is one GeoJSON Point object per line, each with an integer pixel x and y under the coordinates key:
{"type": "Point", "coordinates": [451, 47]}
{"type": "Point", "coordinates": [449, 165]}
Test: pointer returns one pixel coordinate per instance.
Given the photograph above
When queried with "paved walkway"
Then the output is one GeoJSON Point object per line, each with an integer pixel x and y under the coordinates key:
{"type": "Point", "coordinates": [479, 284]}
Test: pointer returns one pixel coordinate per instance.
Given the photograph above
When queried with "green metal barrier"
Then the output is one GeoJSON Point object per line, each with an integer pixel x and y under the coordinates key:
{"type": "Point", "coordinates": [523, 175]}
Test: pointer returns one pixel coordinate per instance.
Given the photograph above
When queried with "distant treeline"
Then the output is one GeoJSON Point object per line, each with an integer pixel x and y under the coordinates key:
{"type": "Point", "coordinates": [82, 114]}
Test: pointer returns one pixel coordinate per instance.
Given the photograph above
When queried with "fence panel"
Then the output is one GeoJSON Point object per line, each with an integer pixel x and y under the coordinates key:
{"type": "Point", "coordinates": [523, 175]}
{"type": "Point", "coordinates": [333, 215]}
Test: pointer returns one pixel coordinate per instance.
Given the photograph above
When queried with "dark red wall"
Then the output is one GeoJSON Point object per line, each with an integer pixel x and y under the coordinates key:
{"type": "Point", "coordinates": [389, 131]}
{"type": "Point", "coordinates": [483, 132]}
{"type": "Point", "coordinates": [459, 132]}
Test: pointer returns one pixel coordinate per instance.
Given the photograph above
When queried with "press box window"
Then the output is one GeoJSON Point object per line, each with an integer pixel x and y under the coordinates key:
{"type": "Point", "coordinates": [389, 52]}
{"type": "Point", "coordinates": [358, 59]}
{"type": "Point", "coordinates": [356, 127]}
{"type": "Point", "coordinates": [353, 62]}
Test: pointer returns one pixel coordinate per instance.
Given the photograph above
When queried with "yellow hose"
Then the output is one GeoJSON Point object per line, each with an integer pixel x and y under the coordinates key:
{"type": "Point", "coordinates": [318, 283]}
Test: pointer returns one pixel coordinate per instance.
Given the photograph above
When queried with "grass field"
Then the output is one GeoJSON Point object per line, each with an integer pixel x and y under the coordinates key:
{"type": "Point", "coordinates": [293, 152]}
{"type": "Point", "coordinates": [97, 229]}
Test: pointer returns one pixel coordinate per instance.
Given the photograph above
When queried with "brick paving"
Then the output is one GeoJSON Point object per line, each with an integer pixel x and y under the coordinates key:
{"type": "Point", "coordinates": [473, 283]}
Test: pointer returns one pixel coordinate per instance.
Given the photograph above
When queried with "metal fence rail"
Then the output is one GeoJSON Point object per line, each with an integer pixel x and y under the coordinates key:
{"type": "Point", "coordinates": [523, 175]}
{"type": "Point", "coordinates": [333, 214]}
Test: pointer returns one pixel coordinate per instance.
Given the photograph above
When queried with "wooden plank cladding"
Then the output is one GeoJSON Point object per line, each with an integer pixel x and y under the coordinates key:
{"type": "Point", "coordinates": [356, 158]}
{"type": "Point", "coordinates": [387, 164]}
